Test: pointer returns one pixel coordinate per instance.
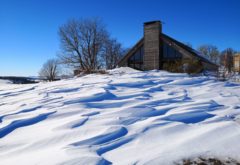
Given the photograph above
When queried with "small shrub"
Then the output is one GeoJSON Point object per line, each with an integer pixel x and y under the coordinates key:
{"type": "Point", "coordinates": [207, 161]}
{"type": "Point", "coordinates": [191, 66]}
{"type": "Point", "coordinates": [85, 72]}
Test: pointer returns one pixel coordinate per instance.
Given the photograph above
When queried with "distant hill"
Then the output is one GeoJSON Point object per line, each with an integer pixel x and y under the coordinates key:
{"type": "Point", "coordinates": [19, 80]}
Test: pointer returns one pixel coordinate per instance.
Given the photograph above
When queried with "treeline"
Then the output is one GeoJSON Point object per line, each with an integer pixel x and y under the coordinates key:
{"type": "Point", "coordinates": [19, 80]}
{"type": "Point", "coordinates": [222, 58]}
{"type": "Point", "coordinates": [86, 45]}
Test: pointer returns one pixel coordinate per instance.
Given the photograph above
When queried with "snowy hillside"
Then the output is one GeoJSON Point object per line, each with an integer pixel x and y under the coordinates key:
{"type": "Point", "coordinates": [126, 117]}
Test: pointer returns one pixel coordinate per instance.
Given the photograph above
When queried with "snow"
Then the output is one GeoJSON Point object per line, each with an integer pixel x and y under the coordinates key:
{"type": "Point", "coordinates": [3, 82]}
{"type": "Point", "coordinates": [124, 117]}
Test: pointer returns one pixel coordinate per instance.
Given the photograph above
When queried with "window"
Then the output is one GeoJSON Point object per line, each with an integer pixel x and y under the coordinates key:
{"type": "Point", "coordinates": [170, 53]}
{"type": "Point", "coordinates": [136, 60]}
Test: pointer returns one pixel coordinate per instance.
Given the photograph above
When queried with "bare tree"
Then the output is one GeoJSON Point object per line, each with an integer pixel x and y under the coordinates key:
{"type": "Point", "coordinates": [211, 52]}
{"type": "Point", "coordinates": [82, 43]}
{"type": "Point", "coordinates": [227, 59]}
{"type": "Point", "coordinates": [112, 54]}
{"type": "Point", "coordinates": [50, 70]}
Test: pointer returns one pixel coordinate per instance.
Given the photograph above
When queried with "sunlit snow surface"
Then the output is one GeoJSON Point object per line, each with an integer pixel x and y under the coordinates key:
{"type": "Point", "coordinates": [125, 117]}
{"type": "Point", "coordinates": [2, 82]}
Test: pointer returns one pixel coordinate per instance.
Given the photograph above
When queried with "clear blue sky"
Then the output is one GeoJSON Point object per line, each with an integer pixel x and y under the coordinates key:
{"type": "Point", "coordinates": [28, 28]}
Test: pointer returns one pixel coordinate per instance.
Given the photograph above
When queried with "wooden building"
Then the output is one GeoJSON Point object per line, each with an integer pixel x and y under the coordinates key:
{"type": "Point", "coordinates": [236, 63]}
{"type": "Point", "coordinates": [156, 50]}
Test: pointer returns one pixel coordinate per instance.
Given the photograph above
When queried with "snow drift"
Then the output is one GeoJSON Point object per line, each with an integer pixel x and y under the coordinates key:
{"type": "Point", "coordinates": [124, 117]}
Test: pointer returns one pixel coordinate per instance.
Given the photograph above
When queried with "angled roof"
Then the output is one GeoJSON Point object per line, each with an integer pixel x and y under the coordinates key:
{"type": "Point", "coordinates": [132, 50]}
{"type": "Point", "coordinates": [179, 44]}
{"type": "Point", "coordinates": [189, 49]}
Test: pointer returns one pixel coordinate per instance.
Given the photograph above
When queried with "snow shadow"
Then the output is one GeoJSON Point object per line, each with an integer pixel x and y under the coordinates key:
{"type": "Point", "coordinates": [142, 113]}
{"type": "Point", "coordinates": [22, 123]}
{"type": "Point", "coordinates": [79, 123]}
{"type": "Point", "coordinates": [97, 97]}
{"type": "Point", "coordinates": [195, 113]}
{"type": "Point", "coordinates": [231, 84]}
{"type": "Point", "coordinates": [86, 160]}
{"type": "Point", "coordinates": [22, 111]}
{"type": "Point", "coordinates": [189, 81]}
{"type": "Point", "coordinates": [135, 84]}
{"type": "Point", "coordinates": [15, 93]}
{"type": "Point", "coordinates": [91, 114]}
{"type": "Point", "coordinates": [189, 117]}
{"type": "Point", "coordinates": [113, 146]}
{"type": "Point", "coordinates": [101, 139]}
{"type": "Point", "coordinates": [67, 90]}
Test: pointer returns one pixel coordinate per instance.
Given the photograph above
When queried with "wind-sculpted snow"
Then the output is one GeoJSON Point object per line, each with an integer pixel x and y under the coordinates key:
{"type": "Point", "coordinates": [124, 117]}
{"type": "Point", "coordinates": [22, 123]}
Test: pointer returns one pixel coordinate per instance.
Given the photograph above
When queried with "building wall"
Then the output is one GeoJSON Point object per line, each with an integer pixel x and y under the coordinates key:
{"type": "Point", "coordinates": [236, 63]}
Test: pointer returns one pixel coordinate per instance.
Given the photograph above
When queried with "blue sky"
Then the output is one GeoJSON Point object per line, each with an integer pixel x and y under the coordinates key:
{"type": "Point", "coordinates": [29, 28]}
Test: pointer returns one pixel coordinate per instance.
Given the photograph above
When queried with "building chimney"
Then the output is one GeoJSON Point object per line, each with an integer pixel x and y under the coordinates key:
{"type": "Point", "coordinates": [152, 45]}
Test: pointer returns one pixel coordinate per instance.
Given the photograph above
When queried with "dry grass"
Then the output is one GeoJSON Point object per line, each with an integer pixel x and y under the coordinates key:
{"type": "Point", "coordinates": [85, 72]}
{"type": "Point", "coordinates": [208, 161]}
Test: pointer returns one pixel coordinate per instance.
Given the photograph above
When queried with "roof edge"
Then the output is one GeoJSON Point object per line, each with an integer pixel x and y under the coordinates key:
{"type": "Point", "coordinates": [189, 49]}
{"type": "Point", "coordinates": [131, 50]}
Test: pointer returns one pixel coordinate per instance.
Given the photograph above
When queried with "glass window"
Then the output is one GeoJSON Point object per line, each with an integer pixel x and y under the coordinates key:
{"type": "Point", "coordinates": [136, 60]}
{"type": "Point", "coordinates": [170, 53]}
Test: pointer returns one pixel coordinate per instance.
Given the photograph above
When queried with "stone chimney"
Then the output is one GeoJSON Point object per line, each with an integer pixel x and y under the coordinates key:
{"type": "Point", "coordinates": [152, 45]}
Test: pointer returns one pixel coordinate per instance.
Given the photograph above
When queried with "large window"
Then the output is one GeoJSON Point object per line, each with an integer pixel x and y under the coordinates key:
{"type": "Point", "coordinates": [169, 53]}
{"type": "Point", "coordinates": [136, 60]}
